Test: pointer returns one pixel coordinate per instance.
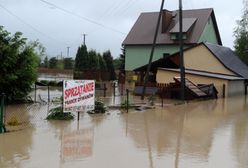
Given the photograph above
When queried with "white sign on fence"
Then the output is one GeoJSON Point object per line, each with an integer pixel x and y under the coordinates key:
{"type": "Point", "coordinates": [78, 95]}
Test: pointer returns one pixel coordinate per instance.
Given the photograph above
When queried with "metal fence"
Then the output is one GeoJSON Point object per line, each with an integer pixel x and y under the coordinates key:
{"type": "Point", "coordinates": [21, 116]}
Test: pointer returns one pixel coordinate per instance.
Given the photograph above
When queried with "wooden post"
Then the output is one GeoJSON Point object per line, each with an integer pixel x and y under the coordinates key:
{"type": "Point", "coordinates": [224, 91]}
{"type": "Point", "coordinates": [48, 95]}
{"type": "Point", "coordinates": [122, 89]}
{"type": "Point", "coordinates": [127, 105]}
{"type": "Point", "coordinates": [104, 90]}
{"type": "Point", "coordinates": [114, 89]}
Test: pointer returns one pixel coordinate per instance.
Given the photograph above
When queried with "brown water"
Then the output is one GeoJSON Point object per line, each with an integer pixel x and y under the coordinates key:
{"type": "Point", "coordinates": [206, 134]}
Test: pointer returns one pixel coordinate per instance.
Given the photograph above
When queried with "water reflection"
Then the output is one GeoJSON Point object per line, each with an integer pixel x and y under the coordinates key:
{"type": "Point", "coordinates": [206, 134]}
{"type": "Point", "coordinates": [239, 140]}
{"type": "Point", "coordinates": [77, 144]}
{"type": "Point", "coordinates": [186, 132]}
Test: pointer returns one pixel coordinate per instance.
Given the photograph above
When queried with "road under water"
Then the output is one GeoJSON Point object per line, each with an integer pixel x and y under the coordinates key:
{"type": "Point", "coordinates": [205, 134]}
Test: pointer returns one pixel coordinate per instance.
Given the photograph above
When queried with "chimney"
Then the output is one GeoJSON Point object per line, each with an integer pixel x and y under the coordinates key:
{"type": "Point", "coordinates": [166, 20]}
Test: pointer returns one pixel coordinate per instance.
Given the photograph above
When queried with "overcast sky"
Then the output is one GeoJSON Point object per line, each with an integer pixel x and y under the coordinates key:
{"type": "Point", "coordinates": [59, 24]}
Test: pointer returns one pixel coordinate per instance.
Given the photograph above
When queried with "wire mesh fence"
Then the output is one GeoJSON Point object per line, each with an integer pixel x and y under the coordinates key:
{"type": "Point", "coordinates": [21, 116]}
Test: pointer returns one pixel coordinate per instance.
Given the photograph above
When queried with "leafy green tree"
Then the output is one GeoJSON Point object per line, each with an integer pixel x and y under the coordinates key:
{"type": "Point", "coordinates": [109, 63]}
{"type": "Point", "coordinates": [68, 63]}
{"type": "Point", "coordinates": [53, 62]}
{"type": "Point", "coordinates": [18, 67]}
{"type": "Point", "coordinates": [93, 60]}
{"type": "Point", "coordinates": [241, 35]}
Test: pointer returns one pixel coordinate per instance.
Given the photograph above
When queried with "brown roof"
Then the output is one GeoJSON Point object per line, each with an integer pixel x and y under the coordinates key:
{"type": "Point", "coordinates": [142, 33]}
{"type": "Point", "coordinates": [224, 54]}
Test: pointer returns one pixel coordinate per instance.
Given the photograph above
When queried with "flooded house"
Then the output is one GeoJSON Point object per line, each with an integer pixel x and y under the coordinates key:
{"type": "Point", "coordinates": [205, 63]}
{"type": "Point", "coordinates": [199, 25]}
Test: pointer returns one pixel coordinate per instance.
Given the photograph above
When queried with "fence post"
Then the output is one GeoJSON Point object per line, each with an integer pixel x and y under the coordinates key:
{"type": "Point", "coordinates": [127, 105]}
{"type": "Point", "coordinates": [104, 90]}
{"type": "Point", "coordinates": [35, 88]}
{"type": "Point", "coordinates": [1, 114]}
{"type": "Point", "coordinates": [114, 88]}
{"type": "Point", "coordinates": [48, 94]}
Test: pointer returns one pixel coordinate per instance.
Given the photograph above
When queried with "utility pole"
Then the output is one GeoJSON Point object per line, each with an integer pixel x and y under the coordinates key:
{"type": "Point", "coordinates": [84, 35]}
{"type": "Point", "coordinates": [152, 51]}
{"type": "Point", "coordinates": [182, 68]}
{"type": "Point", "coordinates": [68, 50]}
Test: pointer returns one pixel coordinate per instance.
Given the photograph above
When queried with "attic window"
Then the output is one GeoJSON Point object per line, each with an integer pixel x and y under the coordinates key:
{"type": "Point", "coordinates": [175, 36]}
{"type": "Point", "coordinates": [187, 25]}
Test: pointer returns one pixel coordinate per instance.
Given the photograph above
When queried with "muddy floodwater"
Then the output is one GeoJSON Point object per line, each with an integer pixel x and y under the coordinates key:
{"type": "Point", "coordinates": [205, 134]}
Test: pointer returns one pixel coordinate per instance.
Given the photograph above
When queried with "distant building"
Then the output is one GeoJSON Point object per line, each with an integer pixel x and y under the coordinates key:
{"type": "Point", "coordinates": [199, 25]}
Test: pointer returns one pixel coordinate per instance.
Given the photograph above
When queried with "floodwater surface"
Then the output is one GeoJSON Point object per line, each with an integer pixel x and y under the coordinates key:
{"type": "Point", "coordinates": [205, 134]}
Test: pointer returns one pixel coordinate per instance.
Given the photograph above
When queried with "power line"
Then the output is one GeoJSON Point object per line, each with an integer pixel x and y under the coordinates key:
{"type": "Point", "coordinates": [82, 17]}
{"type": "Point", "coordinates": [108, 11]}
{"type": "Point", "coordinates": [27, 24]}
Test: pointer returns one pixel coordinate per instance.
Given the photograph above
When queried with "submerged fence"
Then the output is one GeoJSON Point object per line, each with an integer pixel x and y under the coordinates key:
{"type": "Point", "coordinates": [20, 116]}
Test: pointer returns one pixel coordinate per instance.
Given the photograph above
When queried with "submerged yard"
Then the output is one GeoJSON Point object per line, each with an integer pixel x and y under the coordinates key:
{"type": "Point", "coordinates": [204, 134]}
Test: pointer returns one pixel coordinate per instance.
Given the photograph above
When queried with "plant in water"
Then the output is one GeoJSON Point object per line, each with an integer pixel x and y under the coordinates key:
{"type": "Point", "coordinates": [151, 99]}
{"type": "Point", "coordinates": [58, 114]}
{"type": "Point", "coordinates": [99, 107]}
{"type": "Point", "coordinates": [125, 104]}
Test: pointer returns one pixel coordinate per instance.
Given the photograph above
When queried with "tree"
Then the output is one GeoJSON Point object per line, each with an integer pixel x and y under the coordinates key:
{"type": "Point", "coordinates": [109, 63]}
{"type": "Point", "coordinates": [241, 35]}
{"type": "Point", "coordinates": [68, 63]}
{"type": "Point", "coordinates": [121, 75]}
{"type": "Point", "coordinates": [46, 62]}
{"type": "Point", "coordinates": [53, 62]}
{"type": "Point", "coordinates": [93, 60]}
{"type": "Point", "coordinates": [102, 63]}
{"type": "Point", "coordinates": [19, 63]}
{"type": "Point", "coordinates": [117, 63]}
{"type": "Point", "coordinates": [122, 61]}
{"type": "Point", "coordinates": [81, 60]}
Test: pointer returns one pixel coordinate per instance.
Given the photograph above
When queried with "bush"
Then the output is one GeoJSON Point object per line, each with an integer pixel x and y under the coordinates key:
{"type": "Point", "coordinates": [124, 104]}
{"type": "Point", "coordinates": [58, 114]}
{"type": "Point", "coordinates": [99, 107]}
{"type": "Point", "coordinates": [151, 99]}
{"type": "Point", "coordinates": [44, 82]}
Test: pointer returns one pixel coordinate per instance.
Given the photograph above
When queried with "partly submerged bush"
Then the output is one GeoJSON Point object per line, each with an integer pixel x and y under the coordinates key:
{"type": "Point", "coordinates": [99, 107]}
{"type": "Point", "coordinates": [58, 114]}
{"type": "Point", "coordinates": [124, 104]}
{"type": "Point", "coordinates": [151, 99]}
